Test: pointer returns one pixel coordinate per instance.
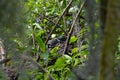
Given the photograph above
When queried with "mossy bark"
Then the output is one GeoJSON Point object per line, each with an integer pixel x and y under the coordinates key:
{"type": "Point", "coordinates": [110, 41]}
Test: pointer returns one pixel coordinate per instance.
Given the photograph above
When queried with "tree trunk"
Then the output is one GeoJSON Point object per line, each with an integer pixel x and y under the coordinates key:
{"type": "Point", "coordinates": [110, 41]}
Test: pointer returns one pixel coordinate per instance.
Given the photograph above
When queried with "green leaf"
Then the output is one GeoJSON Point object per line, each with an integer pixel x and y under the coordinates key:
{"type": "Point", "coordinates": [39, 76]}
{"type": "Point", "coordinates": [73, 39]}
{"type": "Point", "coordinates": [45, 20]}
{"type": "Point", "coordinates": [60, 63]}
{"type": "Point", "coordinates": [83, 47]}
{"type": "Point", "coordinates": [64, 3]}
{"type": "Point", "coordinates": [97, 24]}
{"type": "Point", "coordinates": [40, 32]}
{"type": "Point", "coordinates": [76, 62]}
{"type": "Point", "coordinates": [54, 50]}
{"type": "Point", "coordinates": [41, 43]}
{"type": "Point", "coordinates": [83, 53]}
{"type": "Point", "coordinates": [68, 58]}
{"type": "Point", "coordinates": [74, 50]}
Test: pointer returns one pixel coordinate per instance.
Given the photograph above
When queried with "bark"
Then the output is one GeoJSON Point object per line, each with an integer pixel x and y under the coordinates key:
{"type": "Point", "coordinates": [110, 41]}
{"type": "Point", "coordinates": [103, 13]}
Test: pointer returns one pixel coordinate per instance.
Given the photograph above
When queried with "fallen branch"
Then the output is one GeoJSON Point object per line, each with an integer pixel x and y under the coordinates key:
{"type": "Point", "coordinates": [38, 65]}
{"type": "Point", "coordinates": [72, 27]}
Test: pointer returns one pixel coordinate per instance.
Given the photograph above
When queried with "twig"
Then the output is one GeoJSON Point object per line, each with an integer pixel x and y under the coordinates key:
{"type": "Point", "coordinates": [68, 6]}
{"type": "Point", "coordinates": [52, 22]}
{"type": "Point", "coordinates": [72, 27]}
{"type": "Point", "coordinates": [38, 65]}
{"type": "Point", "coordinates": [57, 25]}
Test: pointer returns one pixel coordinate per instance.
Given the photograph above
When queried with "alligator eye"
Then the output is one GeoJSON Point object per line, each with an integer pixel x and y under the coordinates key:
{"type": "Point", "coordinates": [50, 46]}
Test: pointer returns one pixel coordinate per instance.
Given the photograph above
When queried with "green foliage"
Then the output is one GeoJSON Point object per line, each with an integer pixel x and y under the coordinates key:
{"type": "Point", "coordinates": [74, 50]}
{"type": "Point", "coordinates": [73, 39]}
{"type": "Point", "coordinates": [61, 62]}
{"type": "Point", "coordinates": [2, 76]}
{"type": "Point", "coordinates": [41, 43]}
{"type": "Point", "coordinates": [42, 16]}
{"type": "Point", "coordinates": [54, 50]}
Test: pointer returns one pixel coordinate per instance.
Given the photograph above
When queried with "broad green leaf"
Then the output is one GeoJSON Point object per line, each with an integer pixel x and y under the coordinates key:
{"type": "Point", "coordinates": [74, 50]}
{"type": "Point", "coordinates": [60, 63]}
{"type": "Point", "coordinates": [83, 53]}
{"type": "Point", "coordinates": [41, 32]}
{"type": "Point", "coordinates": [41, 43]}
{"type": "Point", "coordinates": [54, 50]}
{"type": "Point", "coordinates": [68, 58]}
{"type": "Point", "coordinates": [73, 39]}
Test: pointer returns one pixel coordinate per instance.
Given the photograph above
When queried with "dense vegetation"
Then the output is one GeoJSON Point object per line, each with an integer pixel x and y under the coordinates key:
{"type": "Point", "coordinates": [59, 40]}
